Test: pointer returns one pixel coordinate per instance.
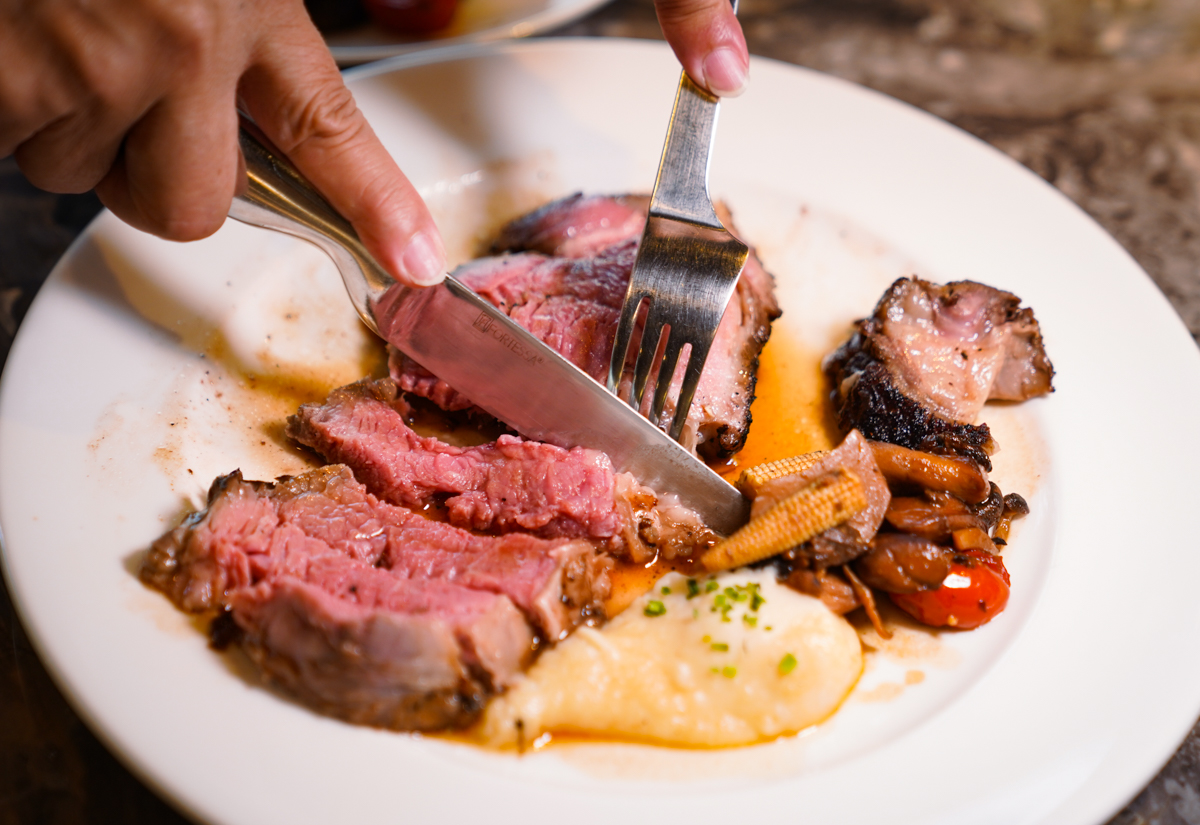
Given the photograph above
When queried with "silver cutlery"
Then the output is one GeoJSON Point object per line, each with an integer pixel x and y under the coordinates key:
{"type": "Point", "coordinates": [478, 350]}
{"type": "Point", "coordinates": [686, 270]}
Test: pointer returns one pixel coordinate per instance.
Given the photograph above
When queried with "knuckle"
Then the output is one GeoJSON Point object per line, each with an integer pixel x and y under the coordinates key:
{"type": "Point", "coordinates": [192, 28]}
{"type": "Point", "coordinates": [330, 117]}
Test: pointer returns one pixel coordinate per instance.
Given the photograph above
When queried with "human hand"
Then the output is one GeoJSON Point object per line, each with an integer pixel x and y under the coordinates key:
{"type": "Point", "coordinates": [708, 41]}
{"type": "Point", "coordinates": [139, 98]}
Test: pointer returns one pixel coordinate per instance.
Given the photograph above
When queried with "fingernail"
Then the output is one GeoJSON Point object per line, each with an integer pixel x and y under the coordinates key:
{"type": "Point", "coordinates": [724, 73]}
{"type": "Point", "coordinates": [423, 261]}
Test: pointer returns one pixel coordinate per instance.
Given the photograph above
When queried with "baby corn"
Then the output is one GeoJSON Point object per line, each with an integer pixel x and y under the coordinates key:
{"type": "Point", "coordinates": [825, 503]}
{"type": "Point", "coordinates": [755, 477]}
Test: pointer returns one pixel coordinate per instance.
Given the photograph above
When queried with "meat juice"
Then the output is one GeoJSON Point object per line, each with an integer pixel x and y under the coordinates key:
{"type": "Point", "coordinates": [791, 417]}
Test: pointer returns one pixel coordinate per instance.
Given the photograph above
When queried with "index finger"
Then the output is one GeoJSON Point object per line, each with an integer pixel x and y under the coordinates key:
{"type": "Point", "coordinates": [296, 95]}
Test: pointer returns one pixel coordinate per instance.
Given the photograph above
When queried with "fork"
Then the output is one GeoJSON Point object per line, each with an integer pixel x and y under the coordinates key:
{"type": "Point", "coordinates": [686, 270]}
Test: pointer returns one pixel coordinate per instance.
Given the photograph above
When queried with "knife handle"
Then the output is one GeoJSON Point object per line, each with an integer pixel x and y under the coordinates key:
{"type": "Point", "coordinates": [274, 195]}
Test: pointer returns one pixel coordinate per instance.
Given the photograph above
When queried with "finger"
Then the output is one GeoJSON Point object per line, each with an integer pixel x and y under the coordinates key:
{"type": "Point", "coordinates": [177, 172]}
{"type": "Point", "coordinates": [708, 41]}
{"type": "Point", "coordinates": [37, 84]}
{"type": "Point", "coordinates": [296, 95]}
{"type": "Point", "coordinates": [75, 152]}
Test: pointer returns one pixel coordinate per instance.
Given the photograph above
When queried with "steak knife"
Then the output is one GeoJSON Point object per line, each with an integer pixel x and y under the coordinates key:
{"type": "Point", "coordinates": [477, 349]}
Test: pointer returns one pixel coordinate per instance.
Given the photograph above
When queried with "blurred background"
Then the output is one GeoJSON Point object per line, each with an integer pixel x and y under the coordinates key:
{"type": "Point", "coordinates": [1099, 97]}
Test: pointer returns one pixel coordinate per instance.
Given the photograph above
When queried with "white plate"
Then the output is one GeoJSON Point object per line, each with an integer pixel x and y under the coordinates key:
{"type": "Point", "coordinates": [112, 424]}
{"type": "Point", "coordinates": [475, 21]}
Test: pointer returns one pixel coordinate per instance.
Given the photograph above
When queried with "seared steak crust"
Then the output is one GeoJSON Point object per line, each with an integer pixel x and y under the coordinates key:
{"type": "Point", "coordinates": [866, 398]}
{"type": "Point", "coordinates": [368, 611]}
{"type": "Point", "coordinates": [919, 370]}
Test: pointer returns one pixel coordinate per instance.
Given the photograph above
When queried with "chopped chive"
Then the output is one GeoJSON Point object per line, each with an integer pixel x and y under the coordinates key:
{"type": "Point", "coordinates": [756, 599]}
{"type": "Point", "coordinates": [655, 608]}
{"type": "Point", "coordinates": [711, 586]}
{"type": "Point", "coordinates": [729, 672]}
{"type": "Point", "coordinates": [787, 664]}
{"type": "Point", "coordinates": [750, 621]}
{"type": "Point", "coordinates": [720, 647]}
{"type": "Point", "coordinates": [695, 613]}
{"type": "Point", "coordinates": [666, 591]}
{"type": "Point", "coordinates": [693, 588]}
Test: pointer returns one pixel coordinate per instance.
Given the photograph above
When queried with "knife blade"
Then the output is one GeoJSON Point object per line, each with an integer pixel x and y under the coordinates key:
{"type": "Point", "coordinates": [477, 349]}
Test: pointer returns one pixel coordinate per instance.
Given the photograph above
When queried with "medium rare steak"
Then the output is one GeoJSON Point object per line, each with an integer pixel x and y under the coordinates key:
{"type": "Point", "coordinates": [505, 486]}
{"type": "Point", "coordinates": [577, 226]}
{"type": "Point", "coordinates": [563, 275]}
{"type": "Point", "coordinates": [571, 304]}
{"type": "Point", "coordinates": [919, 370]}
{"type": "Point", "coordinates": [510, 484]}
{"type": "Point", "coordinates": [368, 611]}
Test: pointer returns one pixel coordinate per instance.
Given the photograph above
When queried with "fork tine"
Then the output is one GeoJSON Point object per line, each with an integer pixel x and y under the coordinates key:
{"type": "Point", "coordinates": [666, 372]}
{"type": "Point", "coordinates": [649, 350]}
{"type": "Point", "coordinates": [623, 340]}
{"type": "Point", "coordinates": [691, 380]}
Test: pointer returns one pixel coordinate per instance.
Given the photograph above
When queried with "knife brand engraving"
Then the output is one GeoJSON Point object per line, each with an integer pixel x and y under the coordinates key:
{"type": "Point", "coordinates": [488, 326]}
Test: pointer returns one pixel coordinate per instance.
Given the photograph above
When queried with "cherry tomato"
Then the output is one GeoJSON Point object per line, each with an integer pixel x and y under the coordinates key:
{"type": "Point", "coordinates": [412, 16]}
{"type": "Point", "coordinates": [974, 593]}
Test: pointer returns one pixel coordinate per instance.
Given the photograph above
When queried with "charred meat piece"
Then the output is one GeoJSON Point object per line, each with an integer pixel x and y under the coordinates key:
{"type": "Point", "coordinates": [918, 371]}
{"type": "Point", "coordinates": [900, 563]}
{"type": "Point", "coordinates": [505, 486]}
{"type": "Point", "coordinates": [865, 398]}
{"type": "Point", "coordinates": [563, 276]}
{"type": "Point", "coordinates": [368, 611]}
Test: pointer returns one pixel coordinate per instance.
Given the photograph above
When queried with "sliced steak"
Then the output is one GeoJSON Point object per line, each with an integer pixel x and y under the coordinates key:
{"type": "Point", "coordinates": [577, 226]}
{"type": "Point", "coordinates": [573, 305]}
{"type": "Point", "coordinates": [564, 277]}
{"type": "Point", "coordinates": [919, 370]}
{"type": "Point", "coordinates": [505, 486]}
{"type": "Point", "coordinates": [510, 484]}
{"type": "Point", "coordinates": [368, 611]}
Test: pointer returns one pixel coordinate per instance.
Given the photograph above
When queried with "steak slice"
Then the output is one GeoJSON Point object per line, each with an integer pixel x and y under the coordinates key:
{"type": "Point", "coordinates": [368, 611]}
{"type": "Point", "coordinates": [919, 370]}
{"type": "Point", "coordinates": [577, 226]}
{"type": "Point", "coordinates": [506, 486]}
{"type": "Point", "coordinates": [564, 275]}
{"type": "Point", "coordinates": [510, 484]}
{"type": "Point", "coordinates": [573, 305]}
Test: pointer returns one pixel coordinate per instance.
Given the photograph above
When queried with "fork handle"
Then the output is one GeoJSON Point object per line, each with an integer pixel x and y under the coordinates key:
{"type": "Point", "coordinates": [681, 188]}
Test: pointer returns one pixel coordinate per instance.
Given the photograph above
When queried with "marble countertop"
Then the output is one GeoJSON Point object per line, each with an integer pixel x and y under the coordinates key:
{"type": "Point", "coordinates": [1106, 108]}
